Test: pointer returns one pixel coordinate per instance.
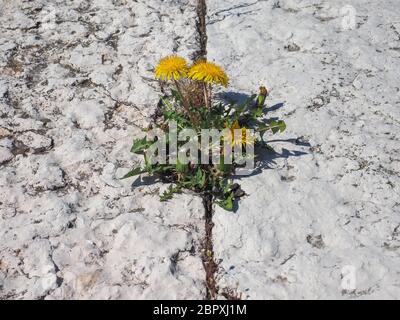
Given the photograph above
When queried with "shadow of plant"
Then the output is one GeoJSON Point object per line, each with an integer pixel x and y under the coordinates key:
{"type": "Point", "coordinates": [231, 97]}
{"type": "Point", "coordinates": [266, 157]}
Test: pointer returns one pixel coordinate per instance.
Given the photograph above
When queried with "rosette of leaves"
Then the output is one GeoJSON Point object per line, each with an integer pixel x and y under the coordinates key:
{"type": "Point", "coordinates": [190, 105]}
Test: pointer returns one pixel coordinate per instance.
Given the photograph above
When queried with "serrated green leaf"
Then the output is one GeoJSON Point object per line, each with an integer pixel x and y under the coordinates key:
{"type": "Point", "coordinates": [140, 145]}
{"type": "Point", "coordinates": [277, 126]}
{"type": "Point", "coordinates": [227, 203]}
{"type": "Point", "coordinates": [273, 125]}
{"type": "Point", "coordinates": [169, 193]}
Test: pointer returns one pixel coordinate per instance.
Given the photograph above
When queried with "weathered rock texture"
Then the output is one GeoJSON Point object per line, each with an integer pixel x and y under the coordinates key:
{"type": "Point", "coordinates": [76, 86]}
{"type": "Point", "coordinates": [327, 204]}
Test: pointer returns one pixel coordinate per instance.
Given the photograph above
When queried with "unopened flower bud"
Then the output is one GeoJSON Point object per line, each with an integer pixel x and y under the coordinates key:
{"type": "Point", "coordinates": [261, 96]}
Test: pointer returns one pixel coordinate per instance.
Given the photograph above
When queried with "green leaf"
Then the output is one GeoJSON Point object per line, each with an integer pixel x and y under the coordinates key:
{"type": "Point", "coordinates": [243, 107]}
{"type": "Point", "coordinates": [147, 164]}
{"type": "Point", "coordinates": [180, 167]}
{"type": "Point", "coordinates": [140, 145]}
{"type": "Point", "coordinates": [227, 203]}
{"type": "Point", "coordinates": [178, 117]}
{"type": "Point", "coordinates": [225, 168]}
{"type": "Point", "coordinates": [225, 186]}
{"type": "Point", "coordinates": [277, 126]}
{"type": "Point", "coordinates": [166, 103]}
{"type": "Point", "coordinates": [282, 126]}
{"type": "Point", "coordinates": [260, 100]}
{"type": "Point", "coordinates": [177, 96]}
{"type": "Point", "coordinates": [256, 113]}
{"type": "Point", "coordinates": [200, 178]}
{"type": "Point", "coordinates": [168, 194]}
{"type": "Point", "coordinates": [273, 125]}
{"type": "Point", "coordinates": [134, 172]}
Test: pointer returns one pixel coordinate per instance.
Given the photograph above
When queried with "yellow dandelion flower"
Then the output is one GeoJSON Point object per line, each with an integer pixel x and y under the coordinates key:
{"type": "Point", "coordinates": [208, 72]}
{"type": "Point", "coordinates": [171, 67]}
{"type": "Point", "coordinates": [246, 139]}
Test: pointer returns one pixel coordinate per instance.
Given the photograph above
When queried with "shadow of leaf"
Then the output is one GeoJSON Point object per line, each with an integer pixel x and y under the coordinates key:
{"type": "Point", "coordinates": [274, 107]}
{"type": "Point", "coordinates": [231, 97]}
{"type": "Point", "coordinates": [144, 181]}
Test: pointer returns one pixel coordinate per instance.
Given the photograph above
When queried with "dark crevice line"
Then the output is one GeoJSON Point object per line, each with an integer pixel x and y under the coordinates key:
{"type": "Point", "coordinates": [201, 30]}
{"type": "Point", "coordinates": [209, 264]}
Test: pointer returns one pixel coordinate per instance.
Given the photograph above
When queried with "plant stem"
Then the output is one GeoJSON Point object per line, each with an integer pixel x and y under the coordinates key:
{"type": "Point", "coordinates": [206, 98]}
{"type": "Point", "coordinates": [210, 94]}
{"type": "Point", "coordinates": [178, 88]}
{"type": "Point", "coordinates": [184, 102]}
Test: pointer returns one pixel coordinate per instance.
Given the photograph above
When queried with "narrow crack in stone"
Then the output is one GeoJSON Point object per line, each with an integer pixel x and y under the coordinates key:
{"type": "Point", "coordinates": [209, 264]}
{"type": "Point", "coordinates": [201, 30]}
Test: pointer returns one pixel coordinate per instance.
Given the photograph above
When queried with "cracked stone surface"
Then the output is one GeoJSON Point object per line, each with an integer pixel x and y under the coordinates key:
{"type": "Point", "coordinates": [75, 88]}
{"type": "Point", "coordinates": [328, 201]}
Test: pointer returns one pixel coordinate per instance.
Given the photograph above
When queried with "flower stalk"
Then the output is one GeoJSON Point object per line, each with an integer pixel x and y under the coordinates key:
{"type": "Point", "coordinates": [206, 97]}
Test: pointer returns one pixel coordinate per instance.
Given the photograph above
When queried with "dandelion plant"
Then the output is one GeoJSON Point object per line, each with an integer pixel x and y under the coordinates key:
{"type": "Point", "coordinates": [197, 143]}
